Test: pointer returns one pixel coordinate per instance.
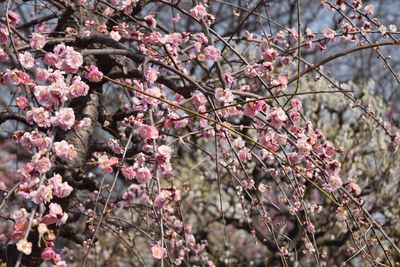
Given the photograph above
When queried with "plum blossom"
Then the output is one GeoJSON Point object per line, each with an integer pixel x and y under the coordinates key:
{"type": "Point", "coordinates": [94, 75]}
{"type": "Point", "coordinates": [128, 172]}
{"type": "Point", "coordinates": [277, 117]}
{"type": "Point", "coordinates": [150, 21]}
{"type": "Point", "coordinates": [78, 88]}
{"type": "Point", "coordinates": [251, 108]}
{"type": "Point", "coordinates": [148, 131]}
{"type": "Point", "coordinates": [329, 34]}
{"type": "Point", "coordinates": [199, 12]}
{"type": "Point", "coordinates": [64, 150]}
{"type": "Point", "coordinates": [38, 41]}
{"type": "Point", "coordinates": [151, 75]}
{"type": "Point", "coordinates": [60, 189]}
{"type": "Point", "coordinates": [24, 246]}
{"type": "Point", "coordinates": [13, 18]}
{"type": "Point", "coordinates": [3, 35]}
{"type": "Point", "coordinates": [157, 251]}
{"type": "Point", "coordinates": [39, 116]}
{"type": "Point", "coordinates": [280, 83]}
{"type": "Point", "coordinates": [115, 35]}
{"type": "Point", "coordinates": [64, 118]}
{"type": "Point", "coordinates": [26, 59]}
{"type": "Point", "coordinates": [212, 53]}
{"type": "Point", "coordinates": [55, 215]}
{"type": "Point", "coordinates": [106, 163]}
{"type": "Point", "coordinates": [22, 102]}
{"type": "Point", "coordinates": [296, 104]}
{"type": "Point", "coordinates": [224, 95]}
{"type": "Point", "coordinates": [143, 175]}
{"type": "Point", "coordinates": [163, 154]}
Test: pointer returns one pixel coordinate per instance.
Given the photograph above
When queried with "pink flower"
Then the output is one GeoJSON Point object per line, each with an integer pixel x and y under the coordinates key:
{"type": "Point", "coordinates": [198, 12]}
{"type": "Point", "coordinates": [369, 9]}
{"type": "Point", "coordinates": [151, 75]}
{"type": "Point", "coordinates": [296, 104]}
{"type": "Point", "coordinates": [106, 163]}
{"type": "Point", "coordinates": [64, 118]}
{"type": "Point", "coordinates": [335, 182]}
{"type": "Point", "coordinates": [228, 78]}
{"type": "Point", "coordinates": [22, 102]}
{"type": "Point", "coordinates": [250, 109]}
{"type": "Point", "coordinates": [143, 175]}
{"type": "Point", "coordinates": [163, 154]}
{"type": "Point", "coordinates": [42, 74]}
{"type": "Point", "coordinates": [60, 189]}
{"type": "Point", "coordinates": [280, 83]}
{"type": "Point", "coordinates": [224, 96]}
{"type": "Point", "coordinates": [3, 55]}
{"type": "Point", "coordinates": [51, 59]}
{"type": "Point", "coordinates": [94, 75]}
{"type": "Point", "coordinates": [48, 254]}
{"type": "Point", "coordinates": [61, 264]}
{"type": "Point", "coordinates": [128, 172]}
{"type": "Point", "coordinates": [42, 165]}
{"type": "Point", "coordinates": [157, 251]}
{"type": "Point", "coordinates": [269, 54]}
{"type": "Point", "coordinates": [64, 150]}
{"type": "Point", "coordinates": [277, 117]}
{"type": "Point", "coordinates": [3, 35]}
{"type": "Point", "coordinates": [38, 41]}
{"type": "Point", "coordinates": [40, 116]}
{"type": "Point", "coordinates": [26, 59]}
{"type": "Point", "coordinates": [115, 35]}
{"type": "Point", "coordinates": [78, 88]}
{"type": "Point", "coordinates": [24, 246]}
{"type": "Point", "coordinates": [150, 21]}
{"type": "Point", "coordinates": [329, 34]}
{"type": "Point", "coordinates": [212, 53]}
{"type": "Point", "coordinates": [310, 228]}
{"type": "Point", "coordinates": [70, 60]}
{"type": "Point", "coordinates": [148, 132]}
{"type": "Point", "coordinates": [161, 199]}
{"type": "Point", "coordinates": [55, 215]}
{"type": "Point", "coordinates": [13, 18]}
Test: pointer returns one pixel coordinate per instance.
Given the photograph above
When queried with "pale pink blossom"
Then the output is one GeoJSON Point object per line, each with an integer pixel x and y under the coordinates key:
{"type": "Point", "coordinates": [212, 53]}
{"type": "Point", "coordinates": [3, 35]}
{"type": "Point", "coordinates": [224, 96]}
{"type": "Point", "coordinates": [24, 246]}
{"type": "Point", "coordinates": [115, 35]}
{"type": "Point", "coordinates": [280, 83]}
{"type": "Point", "coordinates": [3, 55]}
{"type": "Point", "coordinates": [64, 150]}
{"type": "Point", "coordinates": [48, 254]}
{"type": "Point", "coordinates": [150, 21]}
{"type": "Point", "coordinates": [163, 154]}
{"type": "Point", "coordinates": [143, 175]}
{"type": "Point", "coordinates": [277, 117]}
{"type": "Point", "coordinates": [148, 131]}
{"type": "Point", "coordinates": [78, 88]}
{"type": "Point", "coordinates": [64, 118]}
{"type": "Point", "coordinates": [26, 59]}
{"type": "Point", "coordinates": [369, 9]}
{"type": "Point", "coordinates": [157, 251]}
{"type": "Point", "coordinates": [151, 75]}
{"type": "Point", "coordinates": [94, 75]}
{"type": "Point", "coordinates": [22, 102]}
{"type": "Point", "coordinates": [39, 116]}
{"type": "Point", "coordinates": [55, 215]}
{"type": "Point", "coordinates": [199, 12]}
{"type": "Point", "coordinates": [38, 41]}
{"type": "Point", "coordinates": [42, 74]}
{"type": "Point", "coordinates": [60, 189]}
{"type": "Point", "coordinates": [252, 108]}
{"type": "Point", "coordinates": [106, 163]}
{"type": "Point", "coordinates": [13, 18]}
{"type": "Point", "coordinates": [296, 104]}
{"type": "Point", "coordinates": [329, 34]}
{"type": "Point", "coordinates": [128, 172]}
